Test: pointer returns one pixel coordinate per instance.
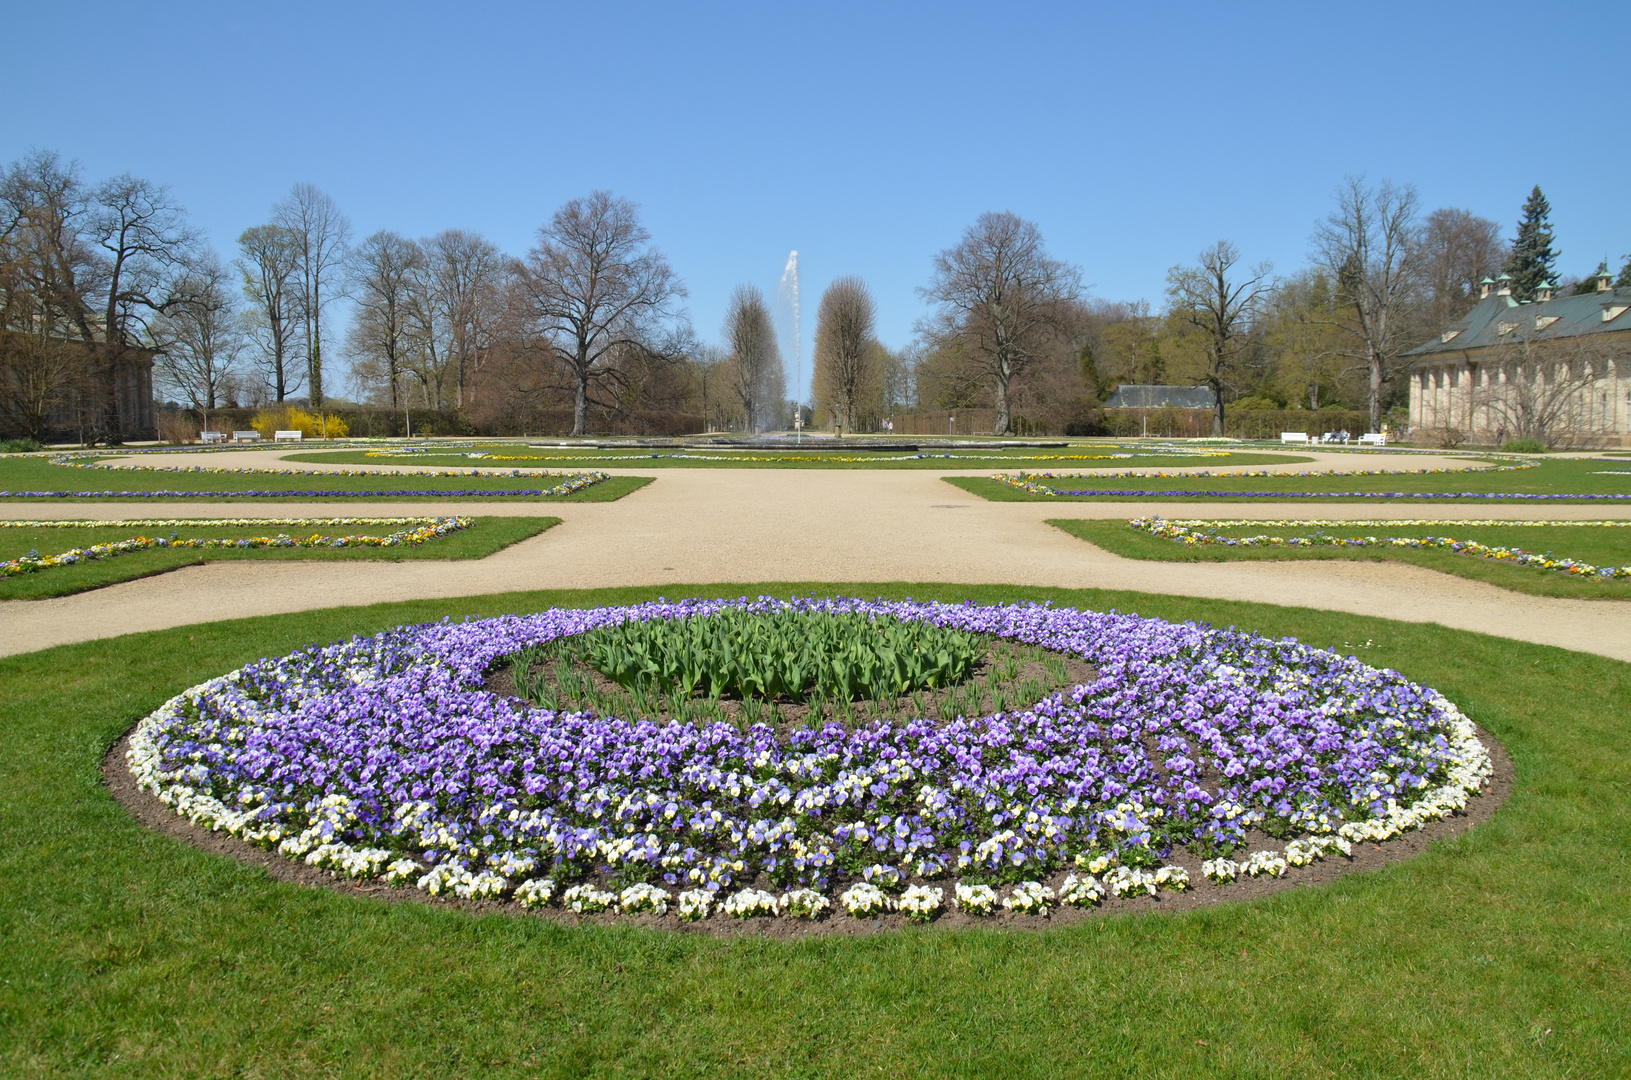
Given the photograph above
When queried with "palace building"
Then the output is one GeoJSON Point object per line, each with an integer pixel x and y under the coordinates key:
{"type": "Point", "coordinates": [1557, 368]}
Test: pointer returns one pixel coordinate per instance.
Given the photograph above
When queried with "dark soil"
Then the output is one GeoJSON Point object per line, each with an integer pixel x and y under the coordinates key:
{"type": "Point", "coordinates": [1029, 681]}
{"type": "Point", "coordinates": [149, 811]}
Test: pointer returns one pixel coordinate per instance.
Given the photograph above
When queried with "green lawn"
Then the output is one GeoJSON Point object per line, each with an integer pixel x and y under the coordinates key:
{"type": "Point", "coordinates": [1561, 477]}
{"type": "Point", "coordinates": [19, 474]}
{"type": "Point", "coordinates": [1083, 456]}
{"type": "Point", "coordinates": [1599, 546]}
{"type": "Point", "coordinates": [483, 537]}
{"type": "Point", "coordinates": [1504, 952]}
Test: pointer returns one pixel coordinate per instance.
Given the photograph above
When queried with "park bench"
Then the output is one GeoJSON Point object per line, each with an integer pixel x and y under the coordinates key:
{"type": "Point", "coordinates": [208, 437]}
{"type": "Point", "coordinates": [246, 436]}
{"type": "Point", "coordinates": [286, 436]}
{"type": "Point", "coordinates": [1372, 439]}
{"type": "Point", "coordinates": [1294, 437]}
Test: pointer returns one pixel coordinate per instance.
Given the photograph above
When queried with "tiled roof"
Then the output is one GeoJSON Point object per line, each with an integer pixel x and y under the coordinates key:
{"type": "Point", "coordinates": [1496, 319]}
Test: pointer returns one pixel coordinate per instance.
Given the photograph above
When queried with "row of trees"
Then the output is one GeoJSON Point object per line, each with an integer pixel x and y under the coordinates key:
{"type": "Point", "coordinates": [587, 327]}
{"type": "Point", "coordinates": [1013, 330]}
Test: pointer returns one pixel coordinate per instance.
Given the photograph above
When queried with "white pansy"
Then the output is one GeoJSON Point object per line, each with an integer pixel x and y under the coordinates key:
{"type": "Point", "coordinates": [862, 899]}
{"type": "Point", "coordinates": [747, 903]}
{"type": "Point", "coordinates": [1175, 878]}
{"type": "Point", "coordinates": [694, 904]}
{"type": "Point", "coordinates": [587, 898]}
{"type": "Point", "coordinates": [804, 904]}
{"type": "Point", "coordinates": [643, 897]}
{"type": "Point", "coordinates": [975, 899]}
{"type": "Point", "coordinates": [536, 892]}
{"type": "Point", "coordinates": [1259, 863]}
{"type": "Point", "coordinates": [1029, 898]}
{"type": "Point", "coordinates": [1128, 881]}
{"type": "Point", "coordinates": [920, 902]}
{"type": "Point", "coordinates": [1080, 891]}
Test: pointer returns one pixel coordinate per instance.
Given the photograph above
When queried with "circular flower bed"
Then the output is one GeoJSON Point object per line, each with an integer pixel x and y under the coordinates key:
{"type": "Point", "coordinates": [386, 758]}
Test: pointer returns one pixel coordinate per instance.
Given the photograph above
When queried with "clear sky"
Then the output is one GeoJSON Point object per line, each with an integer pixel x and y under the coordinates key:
{"type": "Point", "coordinates": [867, 136]}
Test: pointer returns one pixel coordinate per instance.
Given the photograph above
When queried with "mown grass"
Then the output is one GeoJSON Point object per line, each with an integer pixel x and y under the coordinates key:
{"type": "Point", "coordinates": [483, 537]}
{"type": "Point", "coordinates": [1504, 952]}
{"type": "Point", "coordinates": [1085, 456]}
{"type": "Point", "coordinates": [36, 473]}
{"type": "Point", "coordinates": [1560, 477]}
{"type": "Point", "coordinates": [1600, 546]}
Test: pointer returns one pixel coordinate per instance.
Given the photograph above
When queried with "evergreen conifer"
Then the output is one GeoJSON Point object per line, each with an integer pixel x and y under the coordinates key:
{"type": "Point", "coordinates": [1533, 258]}
{"type": "Point", "coordinates": [1589, 284]}
{"type": "Point", "coordinates": [1624, 280]}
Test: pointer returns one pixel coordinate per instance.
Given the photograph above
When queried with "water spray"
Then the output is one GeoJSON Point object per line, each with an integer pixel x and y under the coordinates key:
{"type": "Point", "coordinates": [787, 298]}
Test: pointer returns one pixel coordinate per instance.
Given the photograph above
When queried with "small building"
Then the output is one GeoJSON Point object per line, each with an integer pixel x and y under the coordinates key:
{"type": "Point", "coordinates": [1147, 396]}
{"type": "Point", "coordinates": [1557, 368]}
{"type": "Point", "coordinates": [64, 390]}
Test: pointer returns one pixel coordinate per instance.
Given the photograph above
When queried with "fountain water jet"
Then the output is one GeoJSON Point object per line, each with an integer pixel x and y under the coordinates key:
{"type": "Point", "coordinates": [787, 316]}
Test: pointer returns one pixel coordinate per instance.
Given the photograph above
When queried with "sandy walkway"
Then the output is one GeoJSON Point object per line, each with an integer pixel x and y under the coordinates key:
{"type": "Point", "coordinates": [755, 525]}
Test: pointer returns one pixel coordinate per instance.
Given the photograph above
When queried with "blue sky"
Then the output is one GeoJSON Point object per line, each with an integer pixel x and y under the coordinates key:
{"type": "Point", "coordinates": [866, 136]}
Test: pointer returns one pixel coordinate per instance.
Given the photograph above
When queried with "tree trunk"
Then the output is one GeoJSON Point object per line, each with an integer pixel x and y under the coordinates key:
{"type": "Point", "coordinates": [1000, 425]}
{"type": "Point", "coordinates": [314, 376]}
{"type": "Point", "coordinates": [580, 404]}
{"type": "Point", "coordinates": [1375, 392]}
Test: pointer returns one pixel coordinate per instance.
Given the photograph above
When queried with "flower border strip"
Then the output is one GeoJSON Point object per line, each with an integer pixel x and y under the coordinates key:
{"type": "Point", "coordinates": [1027, 481]}
{"type": "Point", "coordinates": [581, 482]}
{"type": "Point", "coordinates": [1191, 535]}
{"type": "Point", "coordinates": [97, 552]}
{"type": "Point", "coordinates": [94, 458]}
{"type": "Point", "coordinates": [1371, 523]}
{"type": "Point", "coordinates": [155, 523]}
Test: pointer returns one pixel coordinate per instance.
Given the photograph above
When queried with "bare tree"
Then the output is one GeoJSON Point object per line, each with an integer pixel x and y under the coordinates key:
{"type": "Point", "coordinates": [1002, 297]}
{"type": "Point", "coordinates": [99, 268]}
{"type": "Point", "coordinates": [1459, 250]}
{"type": "Point", "coordinates": [1371, 246]}
{"type": "Point", "coordinates": [269, 256]}
{"type": "Point", "coordinates": [146, 245]}
{"type": "Point", "coordinates": [1542, 389]}
{"type": "Point", "coordinates": [465, 274]}
{"type": "Point", "coordinates": [594, 291]}
{"type": "Point", "coordinates": [46, 271]}
{"type": "Point", "coordinates": [202, 337]}
{"type": "Point", "coordinates": [387, 270]}
{"type": "Point", "coordinates": [845, 348]}
{"type": "Point", "coordinates": [320, 234]}
{"type": "Point", "coordinates": [754, 357]}
{"type": "Point", "coordinates": [1220, 302]}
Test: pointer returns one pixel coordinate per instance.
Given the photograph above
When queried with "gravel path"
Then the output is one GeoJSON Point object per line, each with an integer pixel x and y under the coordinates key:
{"type": "Point", "coordinates": [698, 526]}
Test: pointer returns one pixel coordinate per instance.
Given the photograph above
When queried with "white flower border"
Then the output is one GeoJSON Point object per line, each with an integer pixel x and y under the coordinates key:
{"type": "Point", "coordinates": [1085, 886]}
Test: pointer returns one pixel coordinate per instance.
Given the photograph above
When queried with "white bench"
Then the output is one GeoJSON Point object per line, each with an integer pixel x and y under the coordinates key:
{"type": "Point", "coordinates": [286, 436]}
{"type": "Point", "coordinates": [1294, 437]}
{"type": "Point", "coordinates": [208, 437]}
{"type": "Point", "coordinates": [246, 436]}
{"type": "Point", "coordinates": [1370, 439]}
